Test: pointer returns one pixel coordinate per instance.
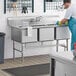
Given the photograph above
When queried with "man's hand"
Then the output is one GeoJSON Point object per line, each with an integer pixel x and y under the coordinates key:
{"type": "Point", "coordinates": [64, 20]}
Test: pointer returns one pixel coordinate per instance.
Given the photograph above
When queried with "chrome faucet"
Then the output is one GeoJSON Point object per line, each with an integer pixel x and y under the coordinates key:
{"type": "Point", "coordinates": [38, 18]}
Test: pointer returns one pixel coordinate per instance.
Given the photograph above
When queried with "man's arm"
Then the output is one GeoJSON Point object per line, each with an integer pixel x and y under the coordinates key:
{"type": "Point", "coordinates": [68, 14]}
{"type": "Point", "coordinates": [64, 20]}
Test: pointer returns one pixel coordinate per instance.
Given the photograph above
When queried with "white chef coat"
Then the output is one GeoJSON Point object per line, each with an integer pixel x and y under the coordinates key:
{"type": "Point", "coordinates": [71, 12]}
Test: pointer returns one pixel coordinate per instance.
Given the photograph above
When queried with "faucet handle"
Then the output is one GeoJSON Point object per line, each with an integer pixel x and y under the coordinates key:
{"type": "Point", "coordinates": [38, 18]}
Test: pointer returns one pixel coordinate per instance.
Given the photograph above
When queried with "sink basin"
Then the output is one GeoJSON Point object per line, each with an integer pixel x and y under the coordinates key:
{"type": "Point", "coordinates": [52, 22]}
{"type": "Point", "coordinates": [20, 21]}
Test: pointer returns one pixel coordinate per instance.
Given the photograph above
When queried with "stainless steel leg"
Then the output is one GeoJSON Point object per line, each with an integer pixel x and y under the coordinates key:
{"type": "Point", "coordinates": [53, 63]}
{"type": "Point", "coordinates": [64, 49]}
{"type": "Point", "coordinates": [41, 43]}
{"type": "Point", "coordinates": [67, 44]}
{"type": "Point", "coordinates": [57, 45]}
{"type": "Point", "coordinates": [22, 52]}
{"type": "Point", "coordinates": [25, 45]}
{"type": "Point", "coordinates": [13, 50]}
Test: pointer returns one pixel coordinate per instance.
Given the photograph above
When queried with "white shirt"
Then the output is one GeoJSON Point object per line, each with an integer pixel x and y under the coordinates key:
{"type": "Point", "coordinates": [71, 12]}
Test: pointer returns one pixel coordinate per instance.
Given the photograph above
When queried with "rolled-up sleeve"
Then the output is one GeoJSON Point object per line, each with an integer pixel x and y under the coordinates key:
{"type": "Point", "coordinates": [68, 13]}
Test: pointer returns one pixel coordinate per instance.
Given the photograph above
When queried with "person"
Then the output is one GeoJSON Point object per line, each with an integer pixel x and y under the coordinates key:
{"type": "Point", "coordinates": [70, 16]}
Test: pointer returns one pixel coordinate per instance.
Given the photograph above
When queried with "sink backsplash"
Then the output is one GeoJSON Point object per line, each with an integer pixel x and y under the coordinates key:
{"type": "Point", "coordinates": [20, 21]}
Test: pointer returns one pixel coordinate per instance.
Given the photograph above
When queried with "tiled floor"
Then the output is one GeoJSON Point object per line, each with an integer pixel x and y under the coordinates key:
{"type": "Point", "coordinates": [17, 63]}
{"type": "Point", "coordinates": [44, 75]}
